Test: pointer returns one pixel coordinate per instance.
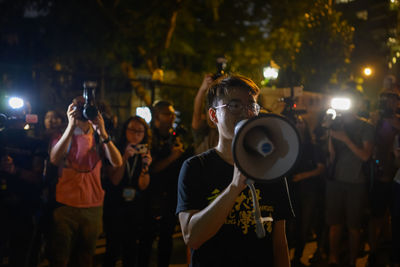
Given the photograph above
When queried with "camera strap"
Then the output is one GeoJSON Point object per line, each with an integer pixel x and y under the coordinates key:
{"type": "Point", "coordinates": [131, 169]}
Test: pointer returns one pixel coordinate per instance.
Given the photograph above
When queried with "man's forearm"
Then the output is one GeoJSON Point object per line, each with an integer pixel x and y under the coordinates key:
{"type": "Point", "coordinates": [198, 101]}
{"type": "Point", "coordinates": [362, 153]}
{"type": "Point", "coordinates": [204, 224]}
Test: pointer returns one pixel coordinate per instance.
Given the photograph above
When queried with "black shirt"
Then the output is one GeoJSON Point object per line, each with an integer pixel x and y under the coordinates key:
{"type": "Point", "coordinates": [202, 179]}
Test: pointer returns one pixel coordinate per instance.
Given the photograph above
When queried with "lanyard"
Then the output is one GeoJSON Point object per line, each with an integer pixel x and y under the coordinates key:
{"type": "Point", "coordinates": [130, 169]}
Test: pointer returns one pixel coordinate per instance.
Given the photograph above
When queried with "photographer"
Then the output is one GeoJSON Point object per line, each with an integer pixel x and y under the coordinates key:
{"type": "Point", "coordinates": [126, 206]}
{"type": "Point", "coordinates": [168, 155]}
{"type": "Point", "coordinates": [78, 153]}
{"type": "Point", "coordinates": [350, 145]}
{"type": "Point", "coordinates": [21, 167]}
{"type": "Point", "coordinates": [387, 125]}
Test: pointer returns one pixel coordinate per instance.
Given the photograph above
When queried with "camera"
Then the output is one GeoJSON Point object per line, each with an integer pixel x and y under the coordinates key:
{"type": "Point", "coordinates": [141, 148]}
{"type": "Point", "coordinates": [88, 110]}
{"type": "Point", "coordinates": [221, 67]}
{"type": "Point", "coordinates": [333, 118]}
{"type": "Point", "coordinates": [16, 112]}
{"type": "Point", "coordinates": [290, 111]}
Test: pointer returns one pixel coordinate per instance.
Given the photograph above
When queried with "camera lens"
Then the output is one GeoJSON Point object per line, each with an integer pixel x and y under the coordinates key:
{"type": "Point", "coordinates": [90, 112]}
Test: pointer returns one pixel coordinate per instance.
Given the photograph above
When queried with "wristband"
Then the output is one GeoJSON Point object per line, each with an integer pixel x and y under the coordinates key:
{"type": "Point", "coordinates": [107, 140]}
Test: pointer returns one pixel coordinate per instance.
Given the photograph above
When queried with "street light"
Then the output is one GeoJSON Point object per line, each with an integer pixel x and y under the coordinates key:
{"type": "Point", "coordinates": [367, 71]}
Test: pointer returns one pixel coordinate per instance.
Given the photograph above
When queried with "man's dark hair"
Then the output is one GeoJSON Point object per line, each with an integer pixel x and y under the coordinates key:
{"type": "Point", "coordinates": [221, 87]}
{"type": "Point", "coordinates": [159, 105]}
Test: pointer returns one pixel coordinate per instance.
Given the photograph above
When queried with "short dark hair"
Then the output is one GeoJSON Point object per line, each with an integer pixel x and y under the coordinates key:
{"type": "Point", "coordinates": [221, 87]}
{"type": "Point", "coordinates": [159, 105]}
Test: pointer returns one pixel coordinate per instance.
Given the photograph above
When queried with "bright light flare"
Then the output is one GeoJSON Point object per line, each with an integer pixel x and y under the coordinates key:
{"type": "Point", "coordinates": [367, 71]}
{"type": "Point", "coordinates": [16, 102]}
{"type": "Point", "coordinates": [145, 113]}
{"type": "Point", "coordinates": [270, 73]}
{"type": "Point", "coordinates": [340, 103]}
{"type": "Point", "coordinates": [331, 112]}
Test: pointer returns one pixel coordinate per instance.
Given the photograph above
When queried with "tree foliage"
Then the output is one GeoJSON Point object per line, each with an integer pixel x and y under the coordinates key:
{"type": "Point", "coordinates": [313, 44]}
{"type": "Point", "coordinates": [114, 38]}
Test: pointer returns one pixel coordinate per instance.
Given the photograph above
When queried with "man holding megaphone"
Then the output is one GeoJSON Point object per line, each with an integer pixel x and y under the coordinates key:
{"type": "Point", "coordinates": [214, 202]}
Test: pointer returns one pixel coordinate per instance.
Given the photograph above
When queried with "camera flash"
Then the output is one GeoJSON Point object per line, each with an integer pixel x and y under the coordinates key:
{"type": "Point", "coordinates": [341, 103]}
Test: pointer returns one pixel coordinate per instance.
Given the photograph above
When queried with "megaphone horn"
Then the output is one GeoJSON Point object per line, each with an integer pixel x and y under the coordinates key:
{"type": "Point", "coordinates": [265, 148]}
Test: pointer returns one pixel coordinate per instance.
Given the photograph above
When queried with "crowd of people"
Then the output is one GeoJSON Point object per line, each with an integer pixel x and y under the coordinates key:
{"type": "Point", "coordinates": [138, 183]}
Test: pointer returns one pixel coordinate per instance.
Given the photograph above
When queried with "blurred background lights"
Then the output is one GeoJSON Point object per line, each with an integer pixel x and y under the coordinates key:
{"type": "Point", "coordinates": [331, 112]}
{"type": "Point", "coordinates": [145, 113]}
{"type": "Point", "coordinates": [16, 102]}
{"type": "Point", "coordinates": [270, 73]}
{"type": "Point", "coordinates": [340, 103]}
{"type": "Point", "coordinates": [367, 71]}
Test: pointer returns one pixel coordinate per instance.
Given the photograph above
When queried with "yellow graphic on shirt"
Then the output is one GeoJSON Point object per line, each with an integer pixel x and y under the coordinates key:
{"type": "Point", "coordinates": [242, 214]}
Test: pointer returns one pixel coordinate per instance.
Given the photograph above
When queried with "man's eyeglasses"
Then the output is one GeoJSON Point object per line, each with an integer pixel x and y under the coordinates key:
{"type": "Point", "coordinates": [236, 107]}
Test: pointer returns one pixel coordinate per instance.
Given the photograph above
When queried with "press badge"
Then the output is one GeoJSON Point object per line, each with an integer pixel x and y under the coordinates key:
{"type": "Point", "coordinates": [129, 193]}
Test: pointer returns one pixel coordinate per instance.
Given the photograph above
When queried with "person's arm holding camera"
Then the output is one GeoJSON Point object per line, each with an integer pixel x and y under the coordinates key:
{"type": "Point", "coordinates": [364, 152]}
{"type": "Point", "coordinates": [198, 102]}
{"type": "Point", "coordinates": [144, 178]}
{"type": "Point", "coordinates": [118, 172]}
{"type": "Point", "coordinates": [176, 151]}
{"type": "Point", "coordinates": [59, 150]}
{"type": "Point", "coordinates": [112, 153]}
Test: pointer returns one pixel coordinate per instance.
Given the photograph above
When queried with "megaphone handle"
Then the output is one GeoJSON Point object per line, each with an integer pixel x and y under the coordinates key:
{"type": "Point", "coordinates": [260, 230]}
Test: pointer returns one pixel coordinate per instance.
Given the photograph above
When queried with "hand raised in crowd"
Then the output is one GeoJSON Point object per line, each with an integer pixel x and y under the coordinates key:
{"type": "Point", "coordinates": [72, 114]}
{"type": "Point", "coordinates": [99, 126]}
{"type": "Point", "coordinates": [177, 149]}
{"type": "Point", "coordinates": [207, 80]}
{"type": "Point", "coordinates": [146, 158]}
{"type": "Point", "coordinates": [130, 151]}
{"type": "Point", "coordinates": [7, 165]}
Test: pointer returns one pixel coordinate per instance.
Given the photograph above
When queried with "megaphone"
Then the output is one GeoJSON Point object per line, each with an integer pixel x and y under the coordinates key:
{"type": "Point", "coordinates": [265, 148]}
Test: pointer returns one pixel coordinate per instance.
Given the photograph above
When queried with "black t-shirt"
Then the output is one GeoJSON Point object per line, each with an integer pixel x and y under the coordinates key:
{"type": "Point", "coordinates": [202, 179]}
{"type": "Point", "coordinates": [118, 199]}
{"type": "Point", "coordinates": [163, 184]}
{"type": "Point", "coordinates": [311, 155]}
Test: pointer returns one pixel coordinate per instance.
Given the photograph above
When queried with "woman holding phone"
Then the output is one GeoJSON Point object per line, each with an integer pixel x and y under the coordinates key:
{"type": "Point", "coordinates": [126, 209]}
